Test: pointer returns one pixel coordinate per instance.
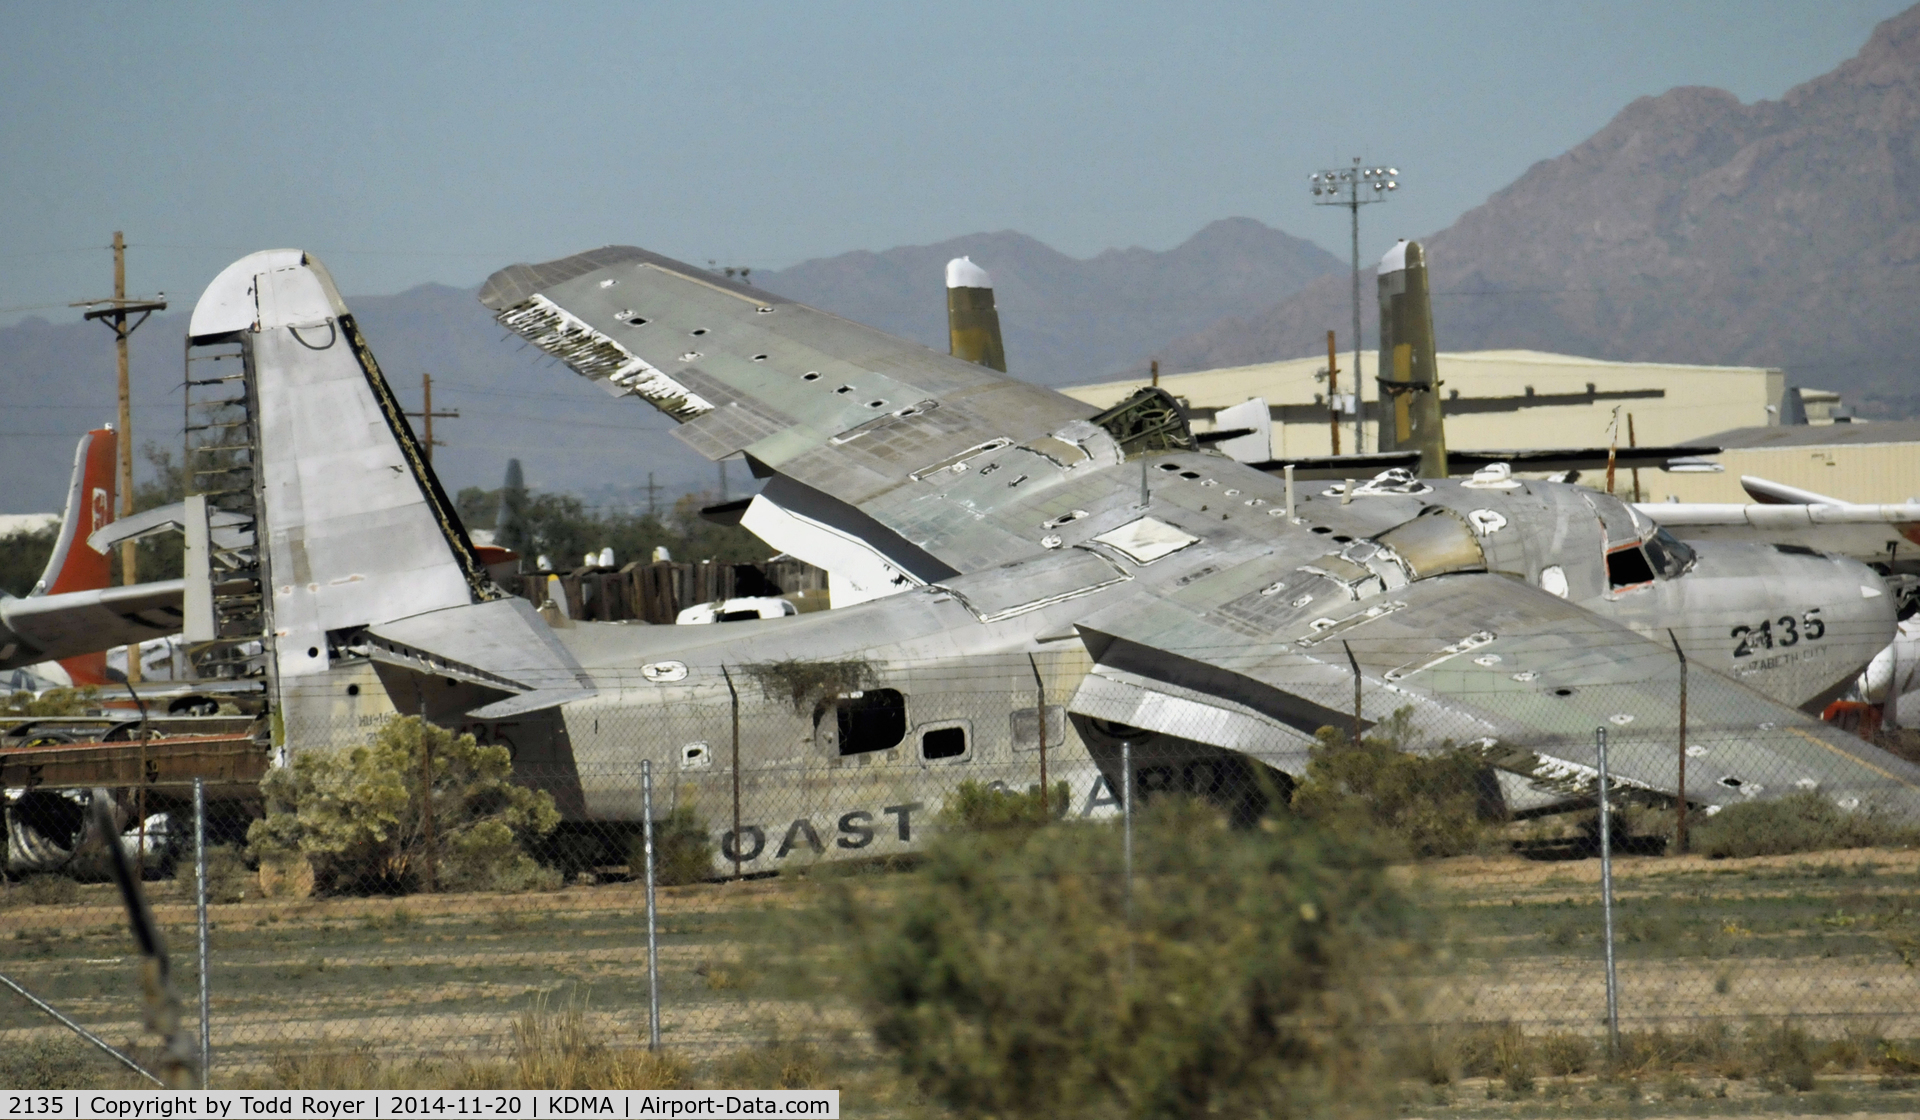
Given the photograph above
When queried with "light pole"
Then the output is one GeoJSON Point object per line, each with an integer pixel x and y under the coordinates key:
{"type": "Point", "coordinates": [1354, 187]}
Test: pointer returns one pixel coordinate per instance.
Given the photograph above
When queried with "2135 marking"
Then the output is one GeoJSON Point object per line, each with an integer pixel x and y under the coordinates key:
{"type": "Point", "coordinates": [1752, 639]}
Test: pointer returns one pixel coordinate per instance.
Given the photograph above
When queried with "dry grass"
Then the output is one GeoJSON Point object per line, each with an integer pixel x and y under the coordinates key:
{"type": "Point", "coordinates": [552, 1048]}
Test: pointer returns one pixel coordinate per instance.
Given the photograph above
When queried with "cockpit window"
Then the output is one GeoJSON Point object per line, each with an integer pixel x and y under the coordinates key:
{"type": "Point", "coordinates": [1669, 555]}
{"type": "Point", "coordinates": [1628, 567]}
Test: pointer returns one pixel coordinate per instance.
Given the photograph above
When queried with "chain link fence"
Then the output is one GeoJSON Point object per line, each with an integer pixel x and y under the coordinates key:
{"type": "Point", "coordinates": [357, 926]}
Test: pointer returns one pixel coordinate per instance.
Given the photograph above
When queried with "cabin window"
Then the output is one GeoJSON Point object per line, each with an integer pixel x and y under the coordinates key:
{"type": "Point", "coordinates": [1026, 728]}
{"type": "Point", "coordinates": [1628, 567]}
{"type": "Point", "coordinates": [943, 742]}
{"type": "Point", "coordinates": [874, 720]}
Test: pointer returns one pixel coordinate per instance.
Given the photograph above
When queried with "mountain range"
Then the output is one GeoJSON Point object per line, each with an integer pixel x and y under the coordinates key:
{"type": "Point", "coordinates": [1691, 228]}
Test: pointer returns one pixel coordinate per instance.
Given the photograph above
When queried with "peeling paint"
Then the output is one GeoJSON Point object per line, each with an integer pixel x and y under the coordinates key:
{"type": "Point", "coordinates": [592, 354]}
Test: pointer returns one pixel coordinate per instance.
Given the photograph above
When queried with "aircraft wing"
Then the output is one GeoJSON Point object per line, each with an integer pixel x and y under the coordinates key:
{"type": "Point", "coordinates": [50, 627]}
{"type": "Point", "coordinates": [1868, 533]}
{"type": "Point", "coordinates": [1478, 658]}
{"type": "Point", "coordinates": [860, 431]}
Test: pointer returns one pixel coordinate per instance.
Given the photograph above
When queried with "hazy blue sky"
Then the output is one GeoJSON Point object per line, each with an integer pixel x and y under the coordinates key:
{"type": "Point", "coordinates": [423, 141]}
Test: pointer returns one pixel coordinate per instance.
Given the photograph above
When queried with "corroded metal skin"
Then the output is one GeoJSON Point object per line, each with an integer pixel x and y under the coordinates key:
{"type": "Point", "coordinates": [973, 328]}
{"type": "Point", "coordinates": [1410, 374]}
{"type": "Point", "coordinates": [984, 528]}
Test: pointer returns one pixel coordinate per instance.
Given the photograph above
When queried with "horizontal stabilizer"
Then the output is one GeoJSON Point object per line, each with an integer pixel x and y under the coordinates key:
{"type": "Point", "coordinates": [50, 627]}
{"type": "Point", "coordinates": [1121, 697]}
{"type": "Point", "coordinates": [228, 528]}
{"type": "Point", "coordinates": [502, 644]}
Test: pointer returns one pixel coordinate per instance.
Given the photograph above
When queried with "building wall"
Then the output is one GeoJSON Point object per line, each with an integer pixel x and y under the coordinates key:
{"type": "Point", "coordinates": [1874, 473]}
{"type": "Point", "coordinates": [1670, 404]}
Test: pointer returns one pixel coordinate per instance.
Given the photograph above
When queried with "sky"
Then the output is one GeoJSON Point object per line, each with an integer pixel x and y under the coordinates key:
{"type": "Point", "coordinates": [407, 143]}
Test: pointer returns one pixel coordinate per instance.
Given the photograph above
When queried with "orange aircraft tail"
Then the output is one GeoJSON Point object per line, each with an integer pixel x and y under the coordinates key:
{"type": "Point", "coordinates": [74, 566]}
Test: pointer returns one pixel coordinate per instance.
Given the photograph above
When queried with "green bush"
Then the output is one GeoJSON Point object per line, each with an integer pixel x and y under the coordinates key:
{"type": "Point", "coordinates": [1248, 975]}
{"type": "Point", "coordinates": [357, 818]}
{"type": "Point", "coordinates": [1431, 803]}
{"type": "Point", "coordinates": [682, 849]}
{"type": "Point", "coordinates": [1802, 821]}
{"type": "Point", "coordinates": [978, 806]}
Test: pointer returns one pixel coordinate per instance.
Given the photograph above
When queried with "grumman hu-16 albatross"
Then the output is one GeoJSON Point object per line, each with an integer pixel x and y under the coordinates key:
{"type": "Point", "coordinates": [987, 533]}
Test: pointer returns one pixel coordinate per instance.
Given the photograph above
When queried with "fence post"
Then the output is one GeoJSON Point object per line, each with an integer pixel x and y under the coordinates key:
{"type": "Point", "coordinates": [733, 697]}
{"type": "Point", "coordinates": [1040, 691]}
{"type": "Point", "coordinates": [653, 943]}
{"type": "Point", "coordinates": [1606, 900]}
{"type": "Point", "coordinates": [426, 787]}
{"type": "Point", "coordinates": [1680, 825]}
{"type": "Point", "coordinates": [1126, 811]}
{"type": "Point", "coordinates": [200, 918]}
{"type": "Point", "coordinates": [1354, 664]}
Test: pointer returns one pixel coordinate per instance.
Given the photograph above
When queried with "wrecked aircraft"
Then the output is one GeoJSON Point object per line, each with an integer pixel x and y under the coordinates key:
{"type": "Point", "coordinates": [1100, 575]}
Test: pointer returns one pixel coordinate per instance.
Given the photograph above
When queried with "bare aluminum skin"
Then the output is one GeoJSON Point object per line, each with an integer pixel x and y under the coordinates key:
{"type": "Point", "coordinates": [995, 533]}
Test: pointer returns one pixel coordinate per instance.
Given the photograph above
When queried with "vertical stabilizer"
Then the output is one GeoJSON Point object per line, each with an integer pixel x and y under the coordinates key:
{"type": "Point", "coordinates": [1409, 372]}
{"type": "Point", "coordinates": [74, 566]}
{"type": "Point", "coordinates": [357, 529]}
{"type": "Point", "coordinates": [90, 495]}
{"type": "Point", "coordinates": [973, 325]}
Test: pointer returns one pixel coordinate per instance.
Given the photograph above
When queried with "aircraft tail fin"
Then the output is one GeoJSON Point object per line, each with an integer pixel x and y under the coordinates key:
{"type": "Point", "coordinates": [90, 495]}
{"type": "Point", "coordinates": [74, 566]}
{"type": "Point", "coordinates": [353, 527]}
{"type": "Point", "coordinates": [1410, 373]}
{"type": "Point", "coordinates": [973, 324]}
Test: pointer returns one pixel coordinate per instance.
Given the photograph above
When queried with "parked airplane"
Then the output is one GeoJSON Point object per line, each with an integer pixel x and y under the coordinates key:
{"type": "Point", "coordinates": [1000, 541]}
{"type": "Point", "coordinates": [57, 635]}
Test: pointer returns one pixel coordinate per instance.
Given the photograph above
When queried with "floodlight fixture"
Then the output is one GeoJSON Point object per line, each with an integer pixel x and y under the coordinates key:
{"type": "Point", "coordinates": [1341, 187]}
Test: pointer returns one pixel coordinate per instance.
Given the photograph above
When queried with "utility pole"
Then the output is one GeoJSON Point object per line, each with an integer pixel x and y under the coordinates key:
{"type": "Point", "coordinates": [426, 414]}
{"type": "Point", "coordinates": [653, 497]}
{"type": "Point", "coordinates": [1333, 394]}
{"type": "Point", "coordinates": [114, 312]}
{"type": "Point", "coordinates": [1345, 187]}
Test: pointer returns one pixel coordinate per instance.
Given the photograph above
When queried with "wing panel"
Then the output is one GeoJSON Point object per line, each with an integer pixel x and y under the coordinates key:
{"type": "Point", "coordinates": [1483, 657]}
{"type": "Point", "coordinates": [846, 410]}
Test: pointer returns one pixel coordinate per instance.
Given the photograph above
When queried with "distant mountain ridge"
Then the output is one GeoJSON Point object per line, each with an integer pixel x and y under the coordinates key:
{"type": "Point", "coordinates": [1692, 228]}
{"type": "Point", "coordinates": [1066, 320]}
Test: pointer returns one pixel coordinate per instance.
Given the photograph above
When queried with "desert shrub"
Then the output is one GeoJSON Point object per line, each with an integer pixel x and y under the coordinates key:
{"type": "Point", "coordinates": [1564, 1054]}
{"type": "Point", "coordinates": [1431, 802]}
{"type": "Point", "coordinates": [62, 1062]}
{"type": "Point", "coordinates": [356, 817]}
{"type": "Point", "coordinates": [41, 890]}
{"type": "Point", "coordinates": [51, 702]}
{"type": "Point", "coordinates": [682, 849]}
{"type": "Point", "coordinates": [227, 873]}
{"type": "Point", "coordinates": [978, 805]}
{"type": "Point", "coordinates": [1802, 821]}
{"type": "Point", "coordinates": [1250, 972]}
{"type": "Point", "coordinates": [559, 1048]}
{"type": "Point", "coordinates": [775, 1065]}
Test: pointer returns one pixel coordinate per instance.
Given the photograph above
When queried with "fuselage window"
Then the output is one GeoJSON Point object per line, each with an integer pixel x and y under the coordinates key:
{"type": "Point", "coordinates": [874, 720]}
{"type": "Point", "coordinates": [945, 742]}
{"type": "Point", "coordinates": [1628, 567]}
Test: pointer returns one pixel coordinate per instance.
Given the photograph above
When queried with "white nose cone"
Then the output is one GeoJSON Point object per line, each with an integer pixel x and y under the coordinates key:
{"type": "Point", "coordinates": [963, 273]}
{"type": "Point", "coordinates": [1394, 261]}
